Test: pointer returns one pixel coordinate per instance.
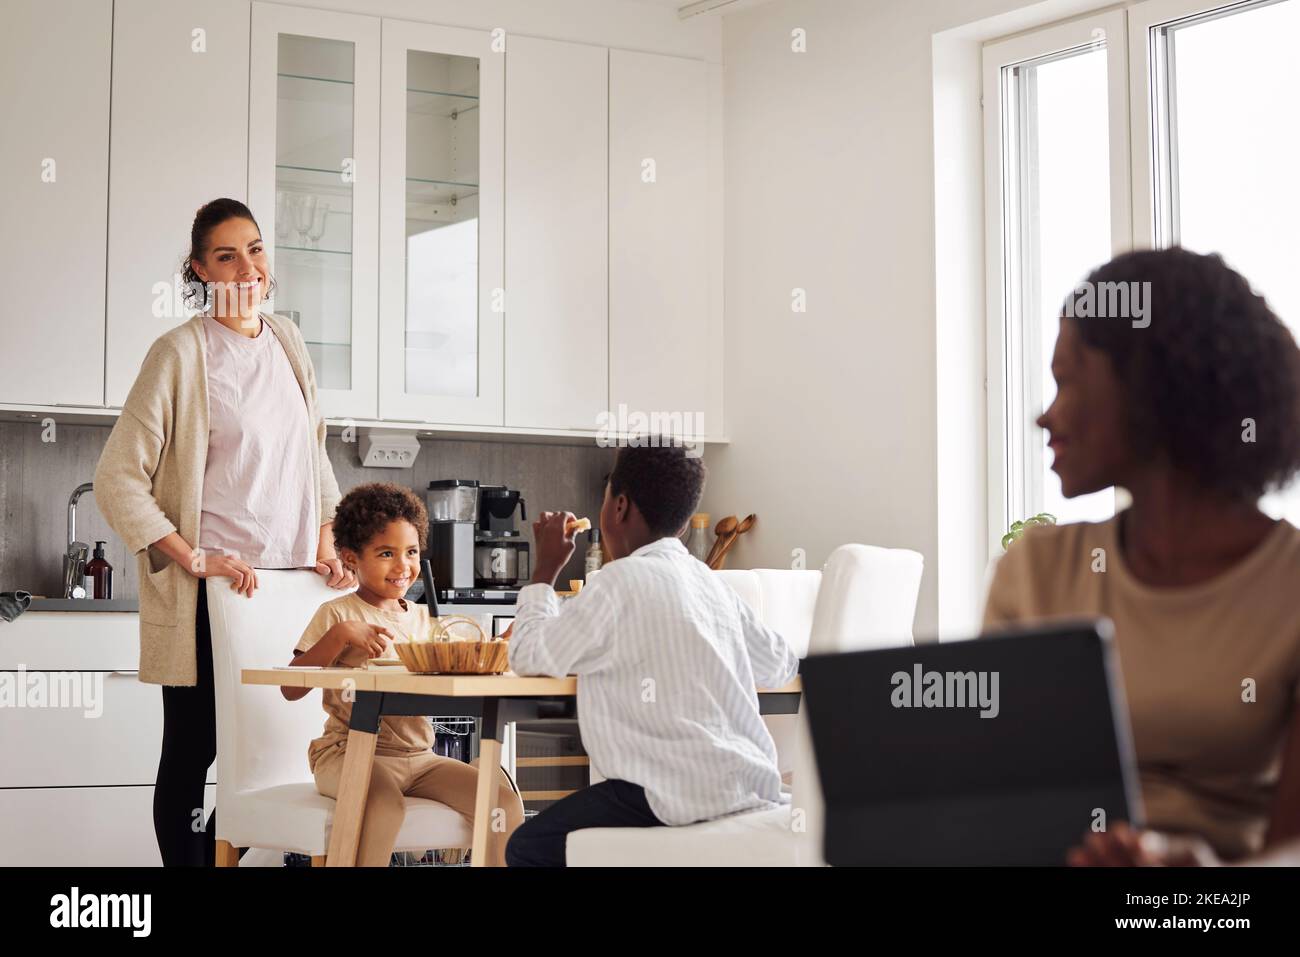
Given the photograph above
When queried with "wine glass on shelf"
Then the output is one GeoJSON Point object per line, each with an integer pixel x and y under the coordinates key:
{"type": "Point", "coordinates": [282, 214]}
{"type": "Point", "coordinates": [317, 230]}
{"type": "Point", "coordinates": [304, 215]}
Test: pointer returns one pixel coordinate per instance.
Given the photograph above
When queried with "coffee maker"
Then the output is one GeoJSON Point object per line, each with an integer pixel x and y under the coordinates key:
{"type": "Point", "coordinates": [475, 553]}
{"type": "Point", "coordinates": [453, 518]}
{"type": "Point", "coordinates": [501, 556]}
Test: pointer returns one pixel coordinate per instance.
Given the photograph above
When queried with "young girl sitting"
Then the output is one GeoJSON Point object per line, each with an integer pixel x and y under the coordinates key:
{"type": "Point", "coordinates": [379, 531]}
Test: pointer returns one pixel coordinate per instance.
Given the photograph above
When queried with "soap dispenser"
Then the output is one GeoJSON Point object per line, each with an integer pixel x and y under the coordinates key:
{"type": "Point", "coordinates": [99, 571]}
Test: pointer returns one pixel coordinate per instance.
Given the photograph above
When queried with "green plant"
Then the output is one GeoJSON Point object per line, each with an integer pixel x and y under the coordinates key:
{"type": "Point", "coordinates": [1018, 528]}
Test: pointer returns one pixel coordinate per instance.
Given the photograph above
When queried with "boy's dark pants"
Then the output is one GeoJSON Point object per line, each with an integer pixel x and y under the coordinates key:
{"type": "Point", "coordinates": [540, 842]}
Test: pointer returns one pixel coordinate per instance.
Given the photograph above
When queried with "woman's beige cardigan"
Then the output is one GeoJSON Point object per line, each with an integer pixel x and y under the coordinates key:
{"type": "Point", "coordinates": [149, 483]}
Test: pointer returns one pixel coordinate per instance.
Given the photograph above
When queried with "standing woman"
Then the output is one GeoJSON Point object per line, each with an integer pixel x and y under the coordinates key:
{"type": "Point", "coordinates": [216, 468]}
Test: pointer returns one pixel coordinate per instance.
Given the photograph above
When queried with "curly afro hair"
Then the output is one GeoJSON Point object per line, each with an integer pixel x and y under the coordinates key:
{"type": "Point", "coordinates": [367, 510]}
{"type": "Point", "coordinates": [1213, 356]}
{"type": "Point", "coordinates": [662, 480]}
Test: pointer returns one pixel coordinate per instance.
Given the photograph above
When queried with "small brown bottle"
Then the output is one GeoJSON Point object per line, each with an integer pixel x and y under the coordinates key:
{"type": "Point", "coordinates": [100, 572]}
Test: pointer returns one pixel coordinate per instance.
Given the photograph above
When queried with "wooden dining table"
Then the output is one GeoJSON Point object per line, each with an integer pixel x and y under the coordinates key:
{"type": "Point", "coordinates": [496, 700]}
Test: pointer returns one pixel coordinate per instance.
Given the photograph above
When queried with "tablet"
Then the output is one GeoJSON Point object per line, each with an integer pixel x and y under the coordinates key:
{"type": "Point", "coordinates": [1005, 749]}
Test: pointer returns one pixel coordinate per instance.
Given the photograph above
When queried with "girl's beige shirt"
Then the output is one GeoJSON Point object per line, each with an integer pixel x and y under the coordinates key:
{"type": "Point", "coordinates": [149, 483]}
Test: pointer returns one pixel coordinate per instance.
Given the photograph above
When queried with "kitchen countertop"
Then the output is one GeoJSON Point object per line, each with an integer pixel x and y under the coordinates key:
{"type": "Point", "coordinates": [84, 604]}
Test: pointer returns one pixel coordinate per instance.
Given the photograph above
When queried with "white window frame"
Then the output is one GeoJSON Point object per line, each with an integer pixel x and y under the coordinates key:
{"type": "Point", "coordinates": [1154, 210]}
{"type": "Point", "coordinates": [1009, 498]}
{"type": "Point", "coordinates": [1143, 208]}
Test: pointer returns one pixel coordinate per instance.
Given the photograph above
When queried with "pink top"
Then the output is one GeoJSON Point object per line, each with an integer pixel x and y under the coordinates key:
{"type": "Point", "coordinates": [257, 501]}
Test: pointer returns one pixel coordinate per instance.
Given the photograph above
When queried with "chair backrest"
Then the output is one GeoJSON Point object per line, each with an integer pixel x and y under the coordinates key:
{"type": "Point", "coordinates": [782, 598]}
{"type": "Point", "coordinates": [262, 739]}
{"type": "Point", "coordinates": [867, 600]}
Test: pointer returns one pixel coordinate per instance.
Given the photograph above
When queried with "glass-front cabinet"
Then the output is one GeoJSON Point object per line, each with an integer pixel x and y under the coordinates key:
{"type": "Point", "coordinates": [441, 299]}
{"type": "Point", "coordinates": [314, 187]}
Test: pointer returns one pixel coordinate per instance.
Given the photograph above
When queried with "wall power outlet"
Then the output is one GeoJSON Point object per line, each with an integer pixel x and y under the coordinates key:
{"type": "Point", "coordinates": [386, 449]}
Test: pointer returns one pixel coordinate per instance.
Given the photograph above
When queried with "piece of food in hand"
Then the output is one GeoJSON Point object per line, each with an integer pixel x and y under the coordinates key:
{"type": "Point", "coordinates": [578, 525]}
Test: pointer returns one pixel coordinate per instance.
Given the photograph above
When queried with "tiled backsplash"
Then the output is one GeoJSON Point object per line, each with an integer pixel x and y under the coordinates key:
{"type": "Point", "coordinates": [37, 476]}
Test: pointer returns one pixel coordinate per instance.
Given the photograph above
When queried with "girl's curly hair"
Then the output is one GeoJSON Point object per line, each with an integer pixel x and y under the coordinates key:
{"type": "Point", "coordinates": [368, 509]}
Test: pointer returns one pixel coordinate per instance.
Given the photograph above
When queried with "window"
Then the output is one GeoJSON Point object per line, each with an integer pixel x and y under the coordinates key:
{"type": "Point", "coordinates": [1223, 89]}
{"type": "Point", "coordinates": [1058, 146]}
{"type": "Point", "coordinates": [1205, 94]}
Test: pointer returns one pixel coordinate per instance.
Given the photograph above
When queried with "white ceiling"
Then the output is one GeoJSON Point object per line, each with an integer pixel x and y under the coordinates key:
{"type": "Point", "coordinates": [678, 4]}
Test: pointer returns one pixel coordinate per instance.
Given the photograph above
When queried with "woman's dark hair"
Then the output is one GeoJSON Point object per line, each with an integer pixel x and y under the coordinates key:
{"type": "Point", "coordinates": [209, 217]}
{"type": "Point", "coordinates": [662, 479]}
{"type": "Point", "coordinates": [368, 509]}
{"type": "Point", "coordinates": [1212, 375]}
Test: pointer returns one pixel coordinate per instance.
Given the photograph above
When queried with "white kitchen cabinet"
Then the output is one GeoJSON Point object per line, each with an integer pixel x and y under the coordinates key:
{"type": "Point", "coordinates": [71, 641]}
{"type": "Point", "coordinates": [81, 827]}
{"type": "Point", "coordinates": [556, 241]}
{"type": "Point", "coordinates": [663, 343]}
{"type": "Point", "coordinates": [313, 180]}
{"type": "Point", "coordinates": [76, 783]}
{"type": "Point", "coordinates": [80, 715]}
{"type": "Point", "coordinates": [441, 225]}
{"type": "Point", "coordinates": [179, 139]}
{"type": "Point", "coordinates": [109, 734]}
{"type": "Point", "coordinates": [438, 277]}
{"type": "Point", "coordinates": [54, 78]}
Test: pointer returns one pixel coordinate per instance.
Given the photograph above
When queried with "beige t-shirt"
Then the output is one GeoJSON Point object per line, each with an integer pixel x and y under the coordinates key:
{"type": "Point", "coordinates": [398, 735]}
{"type": "Point", "coordinates": [1208, 761]}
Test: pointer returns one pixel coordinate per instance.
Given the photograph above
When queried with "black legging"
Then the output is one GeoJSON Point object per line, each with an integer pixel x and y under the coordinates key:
{"type": "Point", "coordinates": [189, 746]}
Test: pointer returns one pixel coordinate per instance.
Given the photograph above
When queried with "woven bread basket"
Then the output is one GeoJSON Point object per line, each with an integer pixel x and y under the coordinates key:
{"type": "Point", "coordinates": [454, 657]}
{"type": "Point", "coordinates": [454, 645]}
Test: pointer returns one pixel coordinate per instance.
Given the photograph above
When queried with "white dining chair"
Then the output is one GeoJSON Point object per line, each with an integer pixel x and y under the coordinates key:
{"type": "Point", "coordinates": [266, 796]}
{"type": "Point", "coordinates": [783, 599]}
{"type": "Point", "coordinates": [865, 598]}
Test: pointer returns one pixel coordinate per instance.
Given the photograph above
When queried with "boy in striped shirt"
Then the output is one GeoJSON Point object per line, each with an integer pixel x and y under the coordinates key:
{"type": "Point", "coordinates": [669, 660]}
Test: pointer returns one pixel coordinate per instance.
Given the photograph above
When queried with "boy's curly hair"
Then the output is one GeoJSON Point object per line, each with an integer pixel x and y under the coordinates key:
{"type": "Point", "coordinates": [367, 509]}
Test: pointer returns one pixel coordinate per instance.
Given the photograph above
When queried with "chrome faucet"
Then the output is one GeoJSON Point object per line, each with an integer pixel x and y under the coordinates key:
{"type": "Point", "coordinates": [74, 559]}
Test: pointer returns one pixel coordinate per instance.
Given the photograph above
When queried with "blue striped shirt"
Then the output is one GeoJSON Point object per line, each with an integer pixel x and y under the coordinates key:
{"type": "Point", "coordinates": [669, 660]}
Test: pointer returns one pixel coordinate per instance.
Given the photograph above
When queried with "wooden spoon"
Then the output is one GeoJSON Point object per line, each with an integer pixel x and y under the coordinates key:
{"type": "Point", "coordinates": [741, 529]}
{"type": "Point", "coordinates": [723, 529]}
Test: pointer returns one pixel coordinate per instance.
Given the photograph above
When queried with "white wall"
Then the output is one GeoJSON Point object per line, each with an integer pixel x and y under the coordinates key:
{"type": "Point", "coordinates": [834, 414]}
